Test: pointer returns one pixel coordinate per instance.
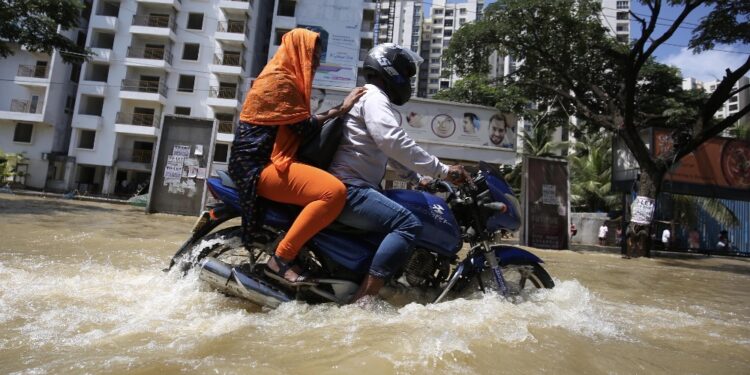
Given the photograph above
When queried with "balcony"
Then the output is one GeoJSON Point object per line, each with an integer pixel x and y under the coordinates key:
{"type": "Point", "coordinates": [32, 75]}
{"type": "Point", "coordinates": [234, 6]}
{"type": "Point", "coordinates": [223, 96]}
{"type": "Point", "coordinates": [154, 25]}
{"type": "Point", "coordinates": [101, 54]}
{"type": "Point", "coordinates": [226, 126]}
{"type": "Point", "coordinates": [176, 4]}
{"type": "Point", "coordinates": [149, 57]}
{"type": "Point", "coordinates": [88, 122]}
{"type": "Point", "coordinates": [103, 22]}
{"type": "Point", "coordinates": [232, 32]}
{"type": "Point", "coordinates": [136, 89]}
{"type": "Point", "coordinates": [134, 159]}
{"type": "Point", "coordinates": [24, 110]}
{"type": "Point", "coordinates": [227, 64]}
{"type": "Point", "coordinates": [137, 123]}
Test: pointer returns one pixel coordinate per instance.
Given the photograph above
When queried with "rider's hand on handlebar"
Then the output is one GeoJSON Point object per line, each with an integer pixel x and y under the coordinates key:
{"type": "Point", "coordinates": [457, 175]}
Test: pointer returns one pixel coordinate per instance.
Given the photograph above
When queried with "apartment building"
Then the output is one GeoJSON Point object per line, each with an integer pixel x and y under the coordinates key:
{"type": "Point", "coordinates": [733, 105]}
{"type": "Point", "coordinates": [616, 18]}
{"type": "Point", "coordinates": [437, 31]}
{"type": "Point", "coordinates": [36, 111]}
{"type": "Point", "coordinates": [155, 58]}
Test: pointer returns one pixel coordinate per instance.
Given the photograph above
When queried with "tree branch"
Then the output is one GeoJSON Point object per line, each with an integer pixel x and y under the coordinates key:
{"type": "Point", "coordinates": [722, 92]}
{"type": "Point", "coordinates": [689, 7]}
{"type": "Point", "coordinates": [709, 133]}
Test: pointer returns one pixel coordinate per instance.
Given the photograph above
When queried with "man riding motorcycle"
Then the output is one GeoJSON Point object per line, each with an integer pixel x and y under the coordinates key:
{"type": "Point", "coordinates": [371, 137]}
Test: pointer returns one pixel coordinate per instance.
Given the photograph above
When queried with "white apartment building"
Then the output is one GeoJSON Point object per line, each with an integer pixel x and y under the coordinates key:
{"type": "Point", "coordinates": [733, 105]}
{"type": "Point", "coordinates": [616, 18]}
{"type": "Point", "coordinates": [155, 58]}
{"type": "Point", "coordinates": [35, 113]}
{"type": "Point", "coordinates": [445, 18]}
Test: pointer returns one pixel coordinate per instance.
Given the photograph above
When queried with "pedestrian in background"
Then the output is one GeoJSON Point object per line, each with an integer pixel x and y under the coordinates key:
{"type": "Point", "coordinates": [603, 234]}
{"type": "Point", "coordinates": [694, 240]}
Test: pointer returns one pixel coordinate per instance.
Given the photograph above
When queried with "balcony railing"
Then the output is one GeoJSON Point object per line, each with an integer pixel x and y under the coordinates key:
{"type": "Point", "coordinates": [33, 71]}
{"type": "Point", "coordinates": [237, 27]}
{"type": "Point", "coordinates": [153, 53]}
{"type": "Point", "coordinates": [229, 60]}
{"type": "Point", "coordinates": [135, 155]}
{"type": "Point", "coordinates": [140, 119]}
{"type": "Point", "coordinates": [226, 126]}
{"type": "Point", "coordinates": [155, 21]}
{"type": "Point", "coordinates": [144, 86]}
{"type": "Point", "coordinates": [223, 92]}
{"type": "Point", "coordinates": [26, 106]}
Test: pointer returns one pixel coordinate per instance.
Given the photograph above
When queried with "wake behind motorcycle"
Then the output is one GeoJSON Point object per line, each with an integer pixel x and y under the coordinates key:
{"type": "Point", "coordinates": [338, 257]}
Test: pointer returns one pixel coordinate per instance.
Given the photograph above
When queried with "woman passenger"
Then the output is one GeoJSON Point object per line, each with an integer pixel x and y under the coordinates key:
{"type": "Point", "coordinates": [274, 119]}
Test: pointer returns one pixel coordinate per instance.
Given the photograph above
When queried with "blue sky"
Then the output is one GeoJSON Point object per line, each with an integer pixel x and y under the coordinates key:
{"type": "Point", "coordinates": [707, 66]}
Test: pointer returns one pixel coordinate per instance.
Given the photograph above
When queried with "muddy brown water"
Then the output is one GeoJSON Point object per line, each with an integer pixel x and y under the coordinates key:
{"type": "Point", "coordinates": [82, 291]}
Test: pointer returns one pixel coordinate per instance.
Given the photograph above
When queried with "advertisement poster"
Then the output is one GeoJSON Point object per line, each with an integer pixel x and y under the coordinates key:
{"type": "Point", "coordinates": [720, 167]}
{"type": "Point", "coordinates": [442, 122]}
{"type": "Point", "coordinates": [339, 23]}
{"type": "Point", "coordinates": [642, 210]}
{"type": "Point", "coordinates": [546, 197]}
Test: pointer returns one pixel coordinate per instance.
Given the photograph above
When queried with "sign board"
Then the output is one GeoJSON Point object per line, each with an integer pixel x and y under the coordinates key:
{"type": "Point", "coordinates": [339, 23]}
{"type": "Point", "coordinates": [178, 180]}
{"type": "Point", "coordinates": [545, 200]}
{"type": "Point", "coordinates": [446, 129]}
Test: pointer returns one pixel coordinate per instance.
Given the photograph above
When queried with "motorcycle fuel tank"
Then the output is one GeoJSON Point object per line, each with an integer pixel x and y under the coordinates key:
{"type": "Point", "coordinates": [440, 231]}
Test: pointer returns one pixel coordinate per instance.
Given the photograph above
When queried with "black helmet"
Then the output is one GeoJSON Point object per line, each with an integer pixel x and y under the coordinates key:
{"type": "Point", "coordinates": [395, 65]}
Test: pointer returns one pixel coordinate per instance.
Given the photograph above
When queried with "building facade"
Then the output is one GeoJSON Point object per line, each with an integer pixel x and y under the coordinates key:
{"type": "Point", "coordinates": [36, 110]}
{"type": "Point", "coordinates": [733, 105]}
{"type": "Point", "coordinates": [155, 58]}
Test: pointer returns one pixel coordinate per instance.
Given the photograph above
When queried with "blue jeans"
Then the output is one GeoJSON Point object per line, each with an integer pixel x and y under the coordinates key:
{"type": "Point", "coordinates": [369, 210]}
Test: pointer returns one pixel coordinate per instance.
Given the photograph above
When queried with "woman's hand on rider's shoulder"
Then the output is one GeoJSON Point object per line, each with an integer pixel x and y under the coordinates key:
{"type": "Point", "coordinates": [352, 98]}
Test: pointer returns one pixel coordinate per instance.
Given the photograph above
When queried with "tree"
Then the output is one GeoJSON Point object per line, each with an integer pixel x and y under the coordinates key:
{"type": "Point", "coordinates": [34, 25]}
{"type": "Point", "coordinates": [591, 173]}
{"type": "Point", "coordinates": [614, 87]}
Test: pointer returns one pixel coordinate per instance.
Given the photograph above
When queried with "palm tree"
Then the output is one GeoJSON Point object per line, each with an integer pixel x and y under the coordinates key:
{"type": "Point", "coordinates": [590, 174]}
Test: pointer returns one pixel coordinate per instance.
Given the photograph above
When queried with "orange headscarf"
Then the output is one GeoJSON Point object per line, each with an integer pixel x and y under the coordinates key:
{"type": "Point", "coordinates": [281, 93]}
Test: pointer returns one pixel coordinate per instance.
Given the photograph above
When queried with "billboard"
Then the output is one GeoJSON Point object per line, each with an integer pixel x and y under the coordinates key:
{"type": "Point", "coordinates": [545, 201]}
{"type": "Point", "coordinates": [720, 167]}
{"type": "Point", "coordinates": [339, 23]}
{"type": "Point", "coordinates": [452, 130]}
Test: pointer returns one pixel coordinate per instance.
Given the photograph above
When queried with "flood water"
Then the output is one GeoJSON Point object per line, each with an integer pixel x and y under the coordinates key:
{"type": "Point", "coordinates": [82, 291]}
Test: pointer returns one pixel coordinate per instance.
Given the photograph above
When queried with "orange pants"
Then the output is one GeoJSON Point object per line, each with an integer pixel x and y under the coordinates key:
{"type": "Point", "coordinates": [322, 196]}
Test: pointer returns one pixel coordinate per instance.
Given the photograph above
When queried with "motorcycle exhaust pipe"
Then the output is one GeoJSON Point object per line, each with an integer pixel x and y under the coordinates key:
{"type": "Point", "coordinates": [229, 280]}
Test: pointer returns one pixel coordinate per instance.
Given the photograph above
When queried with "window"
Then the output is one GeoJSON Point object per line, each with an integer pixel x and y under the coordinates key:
{"type": "Point", "coordinates": [449, 12]}
{"type": "Point", "coordinates": [623, 16]}
{"type": "Point", "coordinates": [433, 91]}
{"type": "Point", "coordinates": [462, 11]}
{"type": "Point", "coordinates": [436, 41]}
{"type": "Point", "coordinates": [434, 80]}
{"type": "Point", "coordinates": [448, 33]}
{"type": "Point", "coordinates": [622, 27]}
{"type": "Point", "coordinates": [435, 50]}
{"type": "Point", "coordinates": [182, 111]}
{"type": "Point", "coordinates": [186, 83]}
{"type": "Point", "coordinates": [733, 107]}
{"type": "Point", "coordinates": [437, 11]}
{"type": "Point", "coordinates": [91, 105]}
{"type": "Point", "coordinates": [622, 5]}
{"type": "Point", "coordinates": [286, 8]}
{"type": "Point", "coordinates": [86, 140]}
{"type": "Point", "coordinates": [435, 61]}
{"type": "Point", "coordinates": [277, 36]}
{"type": "Point", "coordinates": [461, 21]}
{"type": "Point", "coordinates": [195, 21]}
{"type": "Point", "coordinates": [221, 153]}
{"type": "Point", "coordinates": [23, 132]}
{"type": "Point", "coordinates": [448, 23]}
{"type": "Point", "coordinates": [191, 51]}
{"type": "Point", "coordinates": [434, 70]}
{"type": "Point", "coordinates": [734, 99]}
{"type": "Point", "coordinates": [97, 72]}
{"type": "Point", "coordinates": [444, 85]}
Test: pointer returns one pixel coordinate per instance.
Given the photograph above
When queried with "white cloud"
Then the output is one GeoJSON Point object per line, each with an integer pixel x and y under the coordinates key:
{"type": "Point", "coordinates": [706, 66]}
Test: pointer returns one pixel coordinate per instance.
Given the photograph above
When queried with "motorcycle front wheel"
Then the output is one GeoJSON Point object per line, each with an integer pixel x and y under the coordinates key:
{"type": "Point", "coordinates": [519, 279]}
{"type": "Point", "coordinates": [224, 245]}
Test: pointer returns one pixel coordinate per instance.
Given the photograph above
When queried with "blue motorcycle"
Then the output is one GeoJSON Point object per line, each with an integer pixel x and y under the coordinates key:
{"type": "Point", "coordinates": [338, 257]}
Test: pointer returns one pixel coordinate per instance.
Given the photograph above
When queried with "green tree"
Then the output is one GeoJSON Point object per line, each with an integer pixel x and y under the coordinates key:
{"type": "Point", "coordinates": [614, 87]}
{"type": "Point", "coordinates": [34, 25]}
{"type": "Point", "coordinates": [591, 174]}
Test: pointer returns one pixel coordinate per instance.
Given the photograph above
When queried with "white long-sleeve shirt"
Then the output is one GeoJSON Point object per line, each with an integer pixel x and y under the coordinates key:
{"type": "Point", "coordinates": [372, 136]}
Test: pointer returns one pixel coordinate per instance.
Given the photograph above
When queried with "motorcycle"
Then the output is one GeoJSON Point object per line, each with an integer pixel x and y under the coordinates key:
{"type": "Point", "coordinates": [338, 257]}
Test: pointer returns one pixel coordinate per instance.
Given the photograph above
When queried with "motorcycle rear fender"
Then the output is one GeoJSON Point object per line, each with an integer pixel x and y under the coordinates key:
{"type": "Point", "coordinates": [506, 255]}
